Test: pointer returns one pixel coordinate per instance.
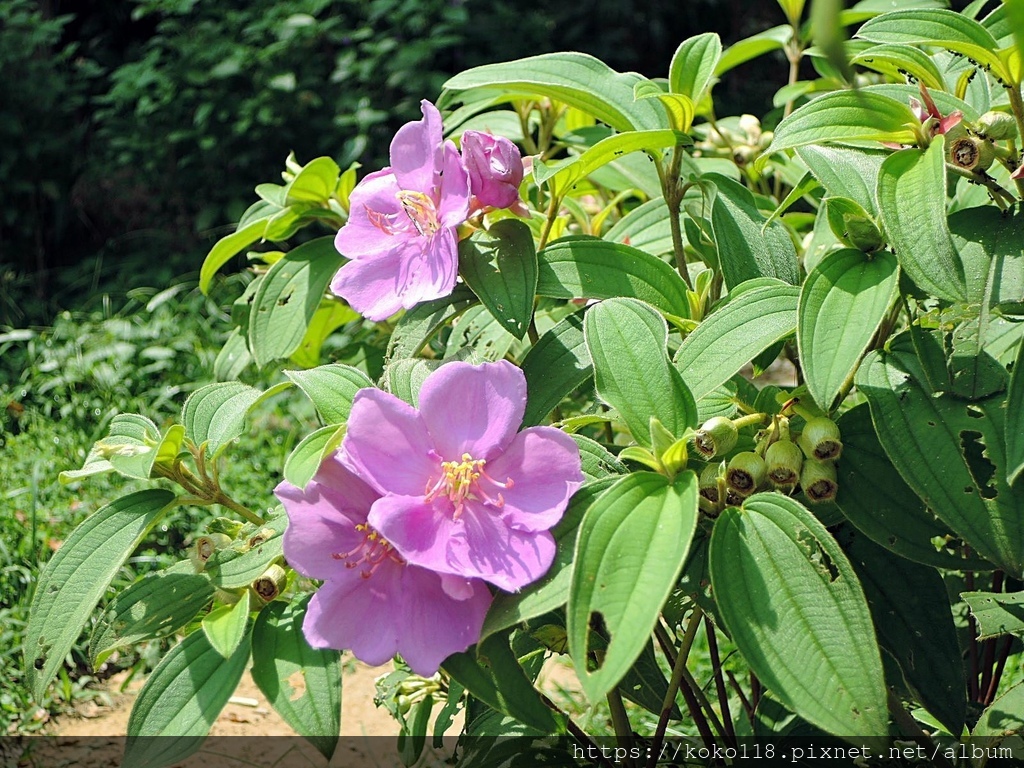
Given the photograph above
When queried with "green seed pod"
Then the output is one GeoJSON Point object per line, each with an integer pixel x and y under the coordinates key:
{"type": "Point", "coordinates": [820, 439]}
{"type": "Point", "coordinates": [818, 479]}
{"type": "Point", "coordinates": [996, 126]}
{"type": "Point", "coordinates": [784, 459]}
{"type": "Point", "coordinates": [970, 154]}
{"type": "Point", "coordinates": [270, 585]}
{"type": "Point", "coordinates": [709, 482]}
{"type": "Point", "coordinates": [204, 547]}
{"type": "Point", "coordinates": [745, 473]}
{"type": "Point", "coordinates": [717, 436]}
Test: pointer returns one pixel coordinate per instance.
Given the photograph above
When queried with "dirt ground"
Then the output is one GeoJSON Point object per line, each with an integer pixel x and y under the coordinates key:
{"type": "Point", "coordinates": [92, 737]}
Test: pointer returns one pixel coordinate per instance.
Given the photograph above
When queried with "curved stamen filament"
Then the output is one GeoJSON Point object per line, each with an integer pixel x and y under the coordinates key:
{"type": "Point", "coordinates": [466, 480]}
{"type": "Point", "coordinates": [373, 550]}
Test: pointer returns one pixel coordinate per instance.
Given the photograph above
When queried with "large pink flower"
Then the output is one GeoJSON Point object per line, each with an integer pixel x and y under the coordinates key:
{"type": "Point", "coordinates": [462, 492]}
{"type": "Point", "coordinates": [372, 601]}
{"type": "Point", "coordinates": [401, 232]}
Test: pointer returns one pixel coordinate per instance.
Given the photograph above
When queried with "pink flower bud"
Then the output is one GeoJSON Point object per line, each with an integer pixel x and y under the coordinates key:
{"type": "Point", "coordinates": [495, 168]}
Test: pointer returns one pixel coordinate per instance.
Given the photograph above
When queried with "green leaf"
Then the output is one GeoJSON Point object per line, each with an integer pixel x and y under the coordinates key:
{"type": "Point", "coordinates": [850, 172]}
{"type": "Point", "coordinates": [215, 414]}
{"type": "Point", "coordinates": [795, 609]}
{"type": "Point", "coordinates": [895, 60]}
{"type": "Point", "coordinates": [552, 591]}
{"type": "Point", "coordinates": [646, 228]}
{"type": "Point", "coordinates": [626, 339]}
{"type": "Point", "coordinates": [735, 333]}
{"type": "Point", "coordinates": [1015, 420]}
{"type": "Point", "coordinates": [155, 606]}
{"type": "Point", "coordinates": [557, 364]}
{"type": "Point", "coordinates": [756, 45]}
{"type": "Point", "coordinates": [998, 613]}
{"type": "Point", "coordinates": [590, 268]}
{"type": "Point", "coordinates": [288, 297]}
{"type": "Point", "coordinates": [329, 316]}
{"type": "Point", "coordinates": [950, 452]}
{"type": "Point", "coordinates": [181, 700]}
{"type": "Point", "coordinates": [911, 611]}
{"type": "Point", "coordinates": [940, 28]}
{"type": "Point", "coordinates": [130, 449]}
{"type": "Point", "coordinates": [500, 265]}
{"type": "Point", "coordinates": [331, 388]}
{"type": "Point", "coordinates": [302, 684]}
{"type": "Point", "coordinates": [912, 201]}
{"type": "Point", "coordinates": [303, 462]}
{"type": "Point", "coordinates": [989, 243]}
{"type": "Point", "coordinates": [576, 79]}
{"type": "Point", "coordinates": [491, 672]}
{"type": "Point", "coordinates": [75, 578]}
{"type": "Point", "coordinates": [225, 626]}
{"type": "Point", "coordinates": [418, 325]}
{"type": "Point", "coordinates": [315, 183]}
{"type": "Point", "coordinates": [874, 497]}
{"type": "Point", "coordinates": [597, 462]}
{"type": "Point", "coordinates": [693, 65]}
{"type": "Point", "coordinates": [845, 116]}
{"type": "Point", "coordinates": [630, 550]}
{"type": "Point", "coordinates": [842, 303]}
{"type": "Point", "coordinates": [232, 244]}
{"type": "Point", "coordinates": [1003, 718]}
{"type": "Point", "coordinates": [240, 564]}
{"type": "Point", "coordinates": [748, 246]}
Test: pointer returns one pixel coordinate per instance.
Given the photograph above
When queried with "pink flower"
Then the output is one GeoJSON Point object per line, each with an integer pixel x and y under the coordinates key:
{"type": "Point", "coordinates": [495, 168]}
{"type": "Point", "coordinates": [401, 233]}
{"type": "Point", "coordinates": [929, 113]}
{"type": "Point", "coordinates": [1018, 173]}
{"type": "Point", "coordinates": [462, 492]}
{"type": "Point", "coordinates": [372, 601]}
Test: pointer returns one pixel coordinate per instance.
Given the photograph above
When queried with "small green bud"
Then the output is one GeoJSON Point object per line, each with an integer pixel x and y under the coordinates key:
{"type": "Point", "coordinates": [970, 154]}
{"type": "Point", "coordinates": [996, 126]}
{"type": "Point", "coordinates": [784, 459]}
{"type": "Point", "coordinates": [746, 472]}
{"type": "Point", "coordinates": [818, 479]}
{"type": "Point", "coordinates": [820, 439]}
{"type": "Point", "coordinates": [716, 437]}
{"type": "Point", "coordinates": [708, 483]}
{"type": "Point", "coordinates": [270, 585]}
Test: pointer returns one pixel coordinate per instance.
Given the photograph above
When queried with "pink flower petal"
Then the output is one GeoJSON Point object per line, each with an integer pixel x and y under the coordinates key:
{"type": "Point", "coordinates": [477, 545]}
{"type": "Point", "coordinates": [453, 207]}
{"type": "Point", "coordinates": [431, 266]}
{"type": "Point", "coordinates": [433, 624]}
{"type": "Point", "coordinates": [544, 464]}
{"type": "Point", "coordinates": [375, 196]}
{"type": "Point", "coordinates": [357, 614]}
{"type": "Point", "coordinates": [387, 444]}
{"type": "Point", "coordinates": [474, 409]}
{"type": "Point", "coordinates": [416, 151]}
{"type": "Point", "coordinates": [371, 284]}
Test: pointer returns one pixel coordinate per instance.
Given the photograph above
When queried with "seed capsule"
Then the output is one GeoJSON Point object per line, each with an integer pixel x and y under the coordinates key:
{"type": "Point", "coordinates": [270, 585]}
{"type": "Point", "coordinates": [716, 437]}
{"type": "Point", "coordinates": [997, 126]}
{"type": "Point", "coordinates": [784, 459]}
{"type": "Point", "coordinates": [820, 439]}
{"type": "Point", "coordinates": [709, 482]}
{"type": "Point", "coordinates": [970, 154]}
{"type": "Point", "coordinates": [745, 473]}
{"type": "Point", "coordinates": [818, 479]}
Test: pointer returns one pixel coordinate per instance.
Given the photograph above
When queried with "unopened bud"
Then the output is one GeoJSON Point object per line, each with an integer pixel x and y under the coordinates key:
{"type": "Point", "coordinates": [716, 437]}
{"type": "Point", "coordinates": [270, 585]}
{"type": "Point", "coordinates": [970, 154]}
{"type": "Point", "coordinates": [820, 439]}
{"type": "Point", "coordinates": [784, 460]}
{"type": "Point", "coordinates": [996, 126]}
{"type": "Point", "coordinates": [745, 473]}
{"type": "Point", "coordinates": [818, 479]}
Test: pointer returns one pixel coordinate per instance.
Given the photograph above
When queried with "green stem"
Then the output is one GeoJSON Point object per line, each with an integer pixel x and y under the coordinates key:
{"type": "Point", "coordinates": [674, 200]}
{"type": "Point", "coordinates": [549, 222]}
{"type": "Point", "coordinates": [226, 501]}
{"type": "Point", "coordinates": [698, 693]}
{"type": "Point", "coordinates": [750, 420]}
{"type": "Point", "coordinates": [1017, 107]}
{"type": "Point", "coordinates": [620, 721]}
{"type": "Point", "coordinates": [716, 669]}
{"type": "Point", "coordinates": [524, 121]}
{"type": "Point", "coordinates": [909, 726]}
{"type": "Point", "coordinates": [678, 670]}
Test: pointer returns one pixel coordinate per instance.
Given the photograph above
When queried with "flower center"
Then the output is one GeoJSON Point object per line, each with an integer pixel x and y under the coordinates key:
{"type": "Point", "coordinates": [373, 550]}
{"type": "Point", "coordinates": [420, 209]}
{"type": "Point", "coordinates": [467, 479]}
